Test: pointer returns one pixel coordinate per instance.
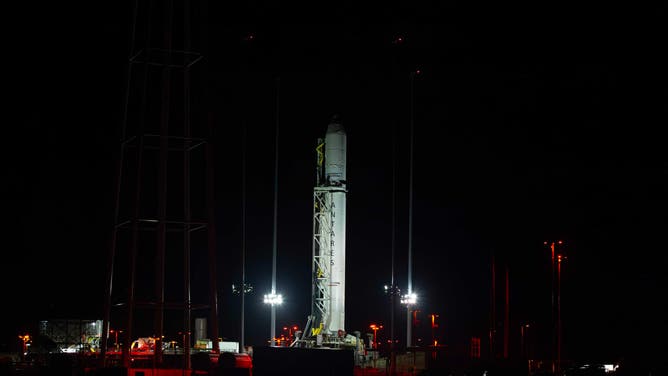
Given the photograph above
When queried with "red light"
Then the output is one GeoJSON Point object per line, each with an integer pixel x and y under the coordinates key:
{"type": "Point", "coordinates": [560, 242]}
{"type": "Point", "coordinates": [417, 71]}
{"type": "Point", "coordinates": [398, 40]}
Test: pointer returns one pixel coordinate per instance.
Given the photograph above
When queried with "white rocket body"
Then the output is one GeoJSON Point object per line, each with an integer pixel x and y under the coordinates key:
{"type": "Point", "coordinates": [335, 177]}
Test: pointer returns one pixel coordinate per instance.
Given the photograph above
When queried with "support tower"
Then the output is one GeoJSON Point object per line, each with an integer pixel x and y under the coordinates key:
{"type": "Point", "coordinates": [326, 325]}
{"type": "Point", "coordinates": [163, 220]}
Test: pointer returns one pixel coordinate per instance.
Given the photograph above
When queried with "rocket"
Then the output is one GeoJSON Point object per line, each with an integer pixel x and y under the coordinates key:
{"type": "Point", "coordinates": [329, 233]}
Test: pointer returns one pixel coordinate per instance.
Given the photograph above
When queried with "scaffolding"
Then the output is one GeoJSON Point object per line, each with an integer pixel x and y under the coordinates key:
{"type": "Point", "coordinates": [163, 224]}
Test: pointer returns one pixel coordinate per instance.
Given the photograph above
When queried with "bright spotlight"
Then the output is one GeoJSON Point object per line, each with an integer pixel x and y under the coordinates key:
{"type": "Point", "coordinates": [273, 299]}
{"type": "Point", "coordinates": [409, 299]}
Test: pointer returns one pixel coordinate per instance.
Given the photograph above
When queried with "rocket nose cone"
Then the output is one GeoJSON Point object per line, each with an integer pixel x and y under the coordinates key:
{"type": "Point", "coordinates": [335, 125]}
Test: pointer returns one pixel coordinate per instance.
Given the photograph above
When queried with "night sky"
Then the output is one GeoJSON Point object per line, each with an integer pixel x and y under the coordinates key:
{"type": "Point", "coordinates": [531, 124]}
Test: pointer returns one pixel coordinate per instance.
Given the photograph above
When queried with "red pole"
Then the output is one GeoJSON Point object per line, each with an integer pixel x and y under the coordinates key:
{"type": "Point", "coordinates": [559, 313]}
{"type": "Point", "coordinates": [433, 328]}
{"type": "Point", "coordinates": [552, 287]}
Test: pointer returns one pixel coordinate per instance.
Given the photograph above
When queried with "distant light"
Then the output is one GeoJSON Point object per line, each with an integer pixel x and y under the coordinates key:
{"type": "Point", "coordinates": [245, 288]}
{"type": "Point", "coordinates": [560, 242]}
{"type": "Point", "coordinates": [392, 290]}
{"type": "Point", "coordinates": [273, 299]}
{"type": "Point", "coordinates": [417, 72]}
{"type": "Point", "coordinates": [409, 299]}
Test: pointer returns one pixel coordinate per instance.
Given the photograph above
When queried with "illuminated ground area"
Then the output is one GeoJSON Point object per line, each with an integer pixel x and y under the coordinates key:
{"type": "Point", "coordinates": [294, 361]}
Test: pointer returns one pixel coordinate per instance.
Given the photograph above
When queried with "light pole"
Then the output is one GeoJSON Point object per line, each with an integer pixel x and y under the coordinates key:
{"type": "Point", "coordinates": [375, 329]}
{"type": "Point", "coordinates": [184, 345]}
{"type": "Point", "coordinates": [553, 259]}
{"type": "Point", "coordinates": [434, 325]}
{"type": "Point", "coordinates": [523, 347]}
{"type": "Point", "coordinates": [410, 298]}
{"type": "Point", "coordinates": [273, 298]}
{"type": "Point", "coordinates": [115, 332]}
{"type": "Point", "coordinates": [115, 337]}
{"type": "Point", "coordinates": [245, 288]}
{"type": "Point", "coordinates": [392, 291]}
{"type": "Point", "coordinates": [560, 258]}
{"type": "Point", "coordinates": [24, 344]}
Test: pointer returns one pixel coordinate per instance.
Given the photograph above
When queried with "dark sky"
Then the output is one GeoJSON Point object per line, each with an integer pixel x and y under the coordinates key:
{"type": "Point", "coordinates": [531, 123]}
